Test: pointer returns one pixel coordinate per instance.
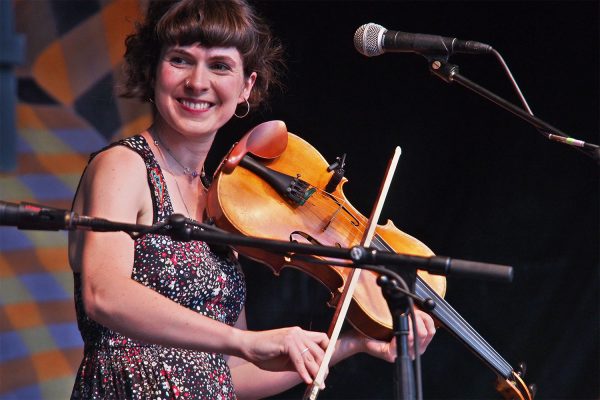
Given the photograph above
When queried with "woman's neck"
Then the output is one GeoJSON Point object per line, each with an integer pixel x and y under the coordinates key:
{"type": "Point", "coordinates": [189, 153]}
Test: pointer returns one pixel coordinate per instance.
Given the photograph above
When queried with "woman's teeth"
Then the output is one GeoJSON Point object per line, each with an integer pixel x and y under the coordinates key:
{"type": "Point", "coordinates": [195, 105]}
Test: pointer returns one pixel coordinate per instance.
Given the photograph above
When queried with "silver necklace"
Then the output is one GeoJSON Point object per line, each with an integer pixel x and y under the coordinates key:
{"type": "Point", "coordinates": [192, 173]}
{"type": "Point", "coordinates": [156, 139]}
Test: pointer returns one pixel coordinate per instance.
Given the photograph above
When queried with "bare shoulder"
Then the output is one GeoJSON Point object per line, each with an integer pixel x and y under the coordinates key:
{"type": "Point", "coordinates": [114, 186]}
{"type": "Point", "coordinates": [117, 160]}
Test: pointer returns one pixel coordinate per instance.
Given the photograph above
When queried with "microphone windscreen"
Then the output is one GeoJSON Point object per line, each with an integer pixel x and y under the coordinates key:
{"type": "Point", "coordinates": [368, 39]}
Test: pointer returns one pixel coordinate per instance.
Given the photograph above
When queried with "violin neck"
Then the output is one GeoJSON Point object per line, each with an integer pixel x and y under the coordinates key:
{"type": "Point", "coordinates": [458, 327]}
{"type": "Point", "coordinates": [452, 321]}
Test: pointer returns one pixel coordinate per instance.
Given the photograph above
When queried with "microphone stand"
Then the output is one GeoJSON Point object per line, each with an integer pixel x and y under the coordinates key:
{"type": "Point", "coordinates": [450, 73]}
{"type": "Point", "coordinates": [400, 300]}
{"type": "Point", "coordinates": [400, 305]}
{"type": "Point", "coordinates": [36, 217]}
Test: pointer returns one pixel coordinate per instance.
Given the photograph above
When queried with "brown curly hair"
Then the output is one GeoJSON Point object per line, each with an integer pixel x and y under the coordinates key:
{"type": "Point", "coordinates": [226, 23]}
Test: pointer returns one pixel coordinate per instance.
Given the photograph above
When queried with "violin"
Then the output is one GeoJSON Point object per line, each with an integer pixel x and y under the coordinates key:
{"type": "Point", "coordinates": [272, 184]}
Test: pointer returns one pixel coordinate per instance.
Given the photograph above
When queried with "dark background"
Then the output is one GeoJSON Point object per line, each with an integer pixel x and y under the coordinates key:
{"type": "Point", "coordinates": [474, 181]}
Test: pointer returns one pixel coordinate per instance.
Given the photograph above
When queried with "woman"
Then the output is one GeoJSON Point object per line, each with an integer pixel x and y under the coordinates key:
{"type": "Point", "coordinates": [161, 318]}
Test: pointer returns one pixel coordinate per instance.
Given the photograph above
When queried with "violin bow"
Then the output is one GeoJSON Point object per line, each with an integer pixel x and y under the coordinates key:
{"type": "Point", "coordinates": [343, 304]}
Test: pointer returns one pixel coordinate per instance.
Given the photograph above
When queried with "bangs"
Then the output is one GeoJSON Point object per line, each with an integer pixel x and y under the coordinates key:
{"type": "Point", "coordinates": [210, 23]}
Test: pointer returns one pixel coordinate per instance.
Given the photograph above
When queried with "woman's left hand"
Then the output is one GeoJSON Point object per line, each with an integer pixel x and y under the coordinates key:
{"type": "Point", "coordinates": [387, 350]}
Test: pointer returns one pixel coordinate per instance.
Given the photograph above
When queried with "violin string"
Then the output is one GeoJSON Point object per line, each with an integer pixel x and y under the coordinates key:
{"type": "Point", "coordinates": [336, 205]}
{"type": "Point", "coordinates": [326, 207]}
{"type": "Point", "coordinates": [337, 228]}
{"type": "Point", "coordinates": [460, 328]}
{"type": "Point", "coordinates": [454, 320]}
{"type": "Point", "coordinates": [340, 220]}
{"type": "Point", "coordinates": [317, 211]}
{"type": "Point", "coordinates": [343, 213]}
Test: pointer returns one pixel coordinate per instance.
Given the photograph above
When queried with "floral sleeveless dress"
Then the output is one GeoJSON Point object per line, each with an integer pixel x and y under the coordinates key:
{"type": "Point", "coordinates": [189, 273]}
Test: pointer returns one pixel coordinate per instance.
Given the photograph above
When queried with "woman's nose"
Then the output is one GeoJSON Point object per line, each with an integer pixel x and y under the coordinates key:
{"type": "Point", "coordinates": [198, 80]}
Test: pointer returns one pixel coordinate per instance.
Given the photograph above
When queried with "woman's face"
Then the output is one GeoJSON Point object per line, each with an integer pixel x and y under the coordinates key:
{"type": "Point", "coordinates": [197, 89]}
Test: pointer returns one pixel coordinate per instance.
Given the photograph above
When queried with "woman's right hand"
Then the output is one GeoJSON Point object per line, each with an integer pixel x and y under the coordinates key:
{"type": "Point", "coordinates": [286, 349]}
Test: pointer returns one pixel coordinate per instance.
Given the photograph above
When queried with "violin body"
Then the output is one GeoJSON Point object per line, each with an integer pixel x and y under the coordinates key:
{"type": "Point", "coordinates": [243, 203]}
{"type": "Point", "coordinates": [248, 198]}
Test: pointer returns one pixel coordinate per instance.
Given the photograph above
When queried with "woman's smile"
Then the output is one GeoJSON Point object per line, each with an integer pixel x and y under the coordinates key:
{"type": "Point", "coordinates": [195, 105]}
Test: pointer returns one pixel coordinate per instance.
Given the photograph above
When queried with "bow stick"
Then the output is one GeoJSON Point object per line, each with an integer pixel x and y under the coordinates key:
{"type": "Point", "coordinates": [343, 304]}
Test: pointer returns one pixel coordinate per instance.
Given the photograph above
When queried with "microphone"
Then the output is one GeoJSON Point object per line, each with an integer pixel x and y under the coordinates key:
{"type": "Point", "coordinates": [32, 216]}
{"type": "Point", "coordinates": [373, 40]}
{"type": "Point", "coordinates": [436, 264]}
{"type": "Point", "coordinates": [37, 217]}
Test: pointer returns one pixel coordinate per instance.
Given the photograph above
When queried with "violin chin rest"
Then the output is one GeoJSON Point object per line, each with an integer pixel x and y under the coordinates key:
{"type": "Point", "coordinates": [268, 140]}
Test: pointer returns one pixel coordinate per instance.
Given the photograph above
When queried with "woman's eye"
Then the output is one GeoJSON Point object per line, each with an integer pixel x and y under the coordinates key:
{"type": "Point", "coordinates": [177, 60]}
{"type": "Point", "coordinates": [221, 67]}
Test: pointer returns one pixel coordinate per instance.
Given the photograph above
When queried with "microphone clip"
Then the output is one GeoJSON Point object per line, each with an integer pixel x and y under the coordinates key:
{"type": "Point", "coordinates": [442, 68]}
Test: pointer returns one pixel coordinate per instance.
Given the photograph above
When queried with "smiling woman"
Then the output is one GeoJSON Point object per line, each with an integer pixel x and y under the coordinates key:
{"type": "Point", "coordinates": [162, 318]}
{"type": "Point", "coordinates": [474, 182]}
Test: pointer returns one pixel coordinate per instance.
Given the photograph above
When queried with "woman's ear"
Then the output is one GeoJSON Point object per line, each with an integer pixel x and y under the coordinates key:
{"type": "Point", "coordinates": [248, 85]}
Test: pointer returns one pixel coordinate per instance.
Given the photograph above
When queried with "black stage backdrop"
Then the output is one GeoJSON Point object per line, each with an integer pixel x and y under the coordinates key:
{"type": "Point", "coordinates": [474, 181]}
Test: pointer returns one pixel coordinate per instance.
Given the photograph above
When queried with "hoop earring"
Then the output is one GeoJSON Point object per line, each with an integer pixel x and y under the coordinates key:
{"type": "Point", "coordinates": [247, 110]}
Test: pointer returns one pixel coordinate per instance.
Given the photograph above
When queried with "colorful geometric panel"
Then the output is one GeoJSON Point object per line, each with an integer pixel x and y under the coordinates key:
{"type": "Point", "coordinates": [68, 16]}
{"type": "Point", "coordinates": [81, 141]}
{"type": "Point", "coordinates": [43, 287]}
{"type": "Point", "coordinates": [45, 187]}
{"type": "Point", "coordinates": [12, 346]}
{"type": "Point", "coordinates": [97, 106]}
{"type": "Point", "coordinates": [66, 110]}
{"type": "Point", "coordinates": [12, 239]}
{"type": "Point", "coordinates": [30, 92]}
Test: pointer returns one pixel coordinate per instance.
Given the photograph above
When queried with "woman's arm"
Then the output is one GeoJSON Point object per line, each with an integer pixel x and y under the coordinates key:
{"type": "Point", "coordinates": [115, 187]}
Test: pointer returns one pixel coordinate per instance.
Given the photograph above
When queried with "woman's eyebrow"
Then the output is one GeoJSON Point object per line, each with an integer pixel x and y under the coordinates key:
{"type": "Point", "coordinates": [223, 57]}
{"type": "Point", "coordinates": [176, 51]}
{"type": "Point", "coordinates": [216, 56]}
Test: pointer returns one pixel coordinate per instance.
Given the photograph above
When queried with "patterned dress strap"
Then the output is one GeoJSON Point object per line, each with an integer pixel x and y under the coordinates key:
{"type": "Point", "coordinates": [161, 201]}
